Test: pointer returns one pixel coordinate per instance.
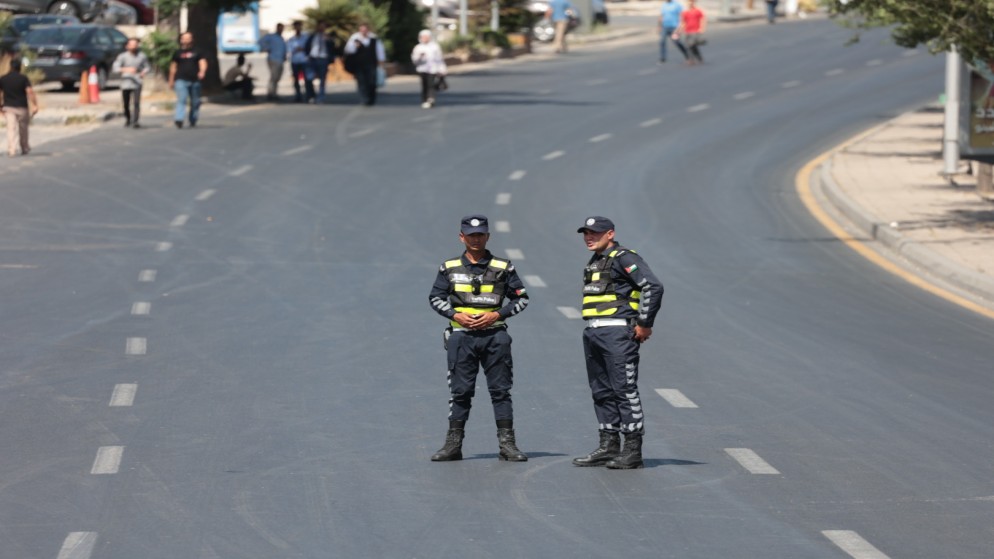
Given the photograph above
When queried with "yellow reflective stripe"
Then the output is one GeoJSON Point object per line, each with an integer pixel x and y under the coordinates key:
{"type": "Point", "coordinates": [455, 324]}
{"type": "Point", "coordinates": [599, 298]}
{"type": "Point", "coordinates": [474, 310]}
{"type": "Point", "coordinates": [467, 288]}
{"type": "Point", "coordinates": [453, 263]}
{"type": "Point", "coordinates": [635, 295]}
{"type": "Point", "coordinates": [499, 264]}
{"type": "Point", "coordinates": [596, 276]}
{"type": "Point", "coordinates": [612, 253]}
{"type": "Point", "coordinates": [634, 305]}
{"type": "Point", "coordinates": [595, 312]}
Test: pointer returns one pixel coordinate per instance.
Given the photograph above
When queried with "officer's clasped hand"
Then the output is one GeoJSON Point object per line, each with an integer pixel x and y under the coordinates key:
{"type": "Point", "coordinates": [476, 321]}
{"type": "Point", "coordinates": [642, 334]}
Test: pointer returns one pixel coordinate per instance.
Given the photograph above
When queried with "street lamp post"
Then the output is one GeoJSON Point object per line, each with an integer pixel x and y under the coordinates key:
{"type": "Point", "coordinates": [950, 136]}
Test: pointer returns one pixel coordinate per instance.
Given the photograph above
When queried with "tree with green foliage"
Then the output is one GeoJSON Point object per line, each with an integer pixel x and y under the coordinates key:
{"type": "Point", "coordinates": [342, 17]}
{"type": "Point", "coordinates": [937, 24]}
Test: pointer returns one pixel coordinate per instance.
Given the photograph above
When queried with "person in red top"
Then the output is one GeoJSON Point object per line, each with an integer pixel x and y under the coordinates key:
{"type": "Point", "coordinates": [692, 24]}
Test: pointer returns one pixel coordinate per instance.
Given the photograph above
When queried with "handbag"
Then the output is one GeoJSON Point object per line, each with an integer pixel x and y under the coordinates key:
{"type": "Point", "coordinates": [440, 83]}
{"type": "Point", "coordinates": [381, 77]}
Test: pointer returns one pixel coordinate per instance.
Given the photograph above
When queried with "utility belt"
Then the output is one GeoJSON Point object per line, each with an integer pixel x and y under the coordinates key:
{"type": "Point", "coordinates": [488, 330]}
{"type": "Point", "coordinates": [602, 322]}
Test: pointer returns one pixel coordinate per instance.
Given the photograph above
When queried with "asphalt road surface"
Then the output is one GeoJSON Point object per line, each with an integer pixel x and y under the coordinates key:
{"type": "Point", "coordinates": [216, 343]}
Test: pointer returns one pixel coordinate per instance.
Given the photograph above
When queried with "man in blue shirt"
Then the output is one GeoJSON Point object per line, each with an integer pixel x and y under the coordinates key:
{"type": "Point", "coordinates": [298, 59]}
{"type": "Point", "coordinates": [276, 47]}
{"type": "Point", "coordinates": [558, 13]}
{"type": "Point", "coordinates": [669, 21]}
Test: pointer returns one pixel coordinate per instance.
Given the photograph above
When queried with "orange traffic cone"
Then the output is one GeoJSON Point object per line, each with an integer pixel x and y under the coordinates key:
{"type": "Point", "coordinates": [94, 85]}
{"type": "Point", "coordinates": [84, 88]}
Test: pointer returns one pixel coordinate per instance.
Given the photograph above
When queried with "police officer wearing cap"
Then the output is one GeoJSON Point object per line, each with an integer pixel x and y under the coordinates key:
{"type": "Point", "coordinates": [621, 297]}
{"type": "Point", "coordinates": [477, 292]}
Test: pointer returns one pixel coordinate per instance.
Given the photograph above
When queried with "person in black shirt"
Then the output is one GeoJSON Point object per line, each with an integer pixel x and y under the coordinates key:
{"type": "Point", "coordinates": [18, 104]}
{"type": "Point", "coordinates": [186, 71]}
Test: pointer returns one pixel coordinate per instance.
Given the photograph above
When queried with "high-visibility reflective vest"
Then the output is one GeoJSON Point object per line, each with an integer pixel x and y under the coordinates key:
{"type": "Point", "coordinates": [600, 297]}
{"type": "Point", "coordinates": [477, 293]}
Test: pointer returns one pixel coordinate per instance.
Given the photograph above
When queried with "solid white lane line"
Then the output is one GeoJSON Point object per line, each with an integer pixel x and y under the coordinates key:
{"type": "Point", "coordinates": [698, 108]}
{"type": "Point", "coordinates": [78, 545]}
{"type": "Point", "coordinates": [650, 122]}
{"type": "Point", "coordinates": [147, 276]}
{"type": "Point", "coordinates": [600, 138]}
{"type": "Point", "coordinates": [123, 395]}
{"type": "Point", "coordinates": [205, 195]}
{"type": "Point", "coordinates": [141, 308]}
{"type": "Point", "coordinates": [835, 72]}
{"type": "Point", "coordinates": [874, 62]}
{"type": "Point", "coordinates": [516, 176]}
{"type": "Point", "coordinates": [136, 346]}
{"type": "Point", "coordinates": [675, 398]}
{"type": "Point", "coordinates": [503, 198]}
{"type": "Point", "coordinates": [179, 221]}
{"type": "Point", "coordinates": [502, 226]}
{"type": "Point", "coordinates": [108, 460]}
{"type": "Point", "coordinates": [743, 95]}
{"type": "Point", "coordinates": [514, 254]}
{"type": "Point", "coordinates": [854, 544]}
{"type": "Point", "coordinates": [163, 246]}
{"type": "Point", "coordinates": [570, 312]}
{"type": "Point", "coordinates": [240, 171]}
{"type": "Point", "coordinates": [792, 83]}
{"type": "Point", "coordinates": [534, 281]}
{"type": "Point", "coordinates": [751, 461]}
{"type": "Point", "coordinates": [554, 155]}
{"type": "Point", "coordinates": [298, 149]}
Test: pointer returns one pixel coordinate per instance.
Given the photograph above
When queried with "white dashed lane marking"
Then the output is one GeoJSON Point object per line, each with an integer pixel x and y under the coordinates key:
{"type": "Point", "coordinates": [751, 461]}
{"type": "Point", "coordinates": [503, 198]}
{"type": "Point", "coordinates": [424, 118]}
{"type": "Point", "coordinates": [78, 545]}
{"type": "Point", "coordinates": [240, 171]}
{"type": "Point", "coordinates": [698, 108]}
{"type": "Point", "coordinates": [147, 276]}
{"type": "Point", "coordinates": [675, 398]}
{"type": "Point", "coordinates": [647, 71]}
{"type": "Point", "coordinates": [123, 395]}
{"type": "Point", "coordinates": [835, 72]}
{"type": "Point", "coordinates": [179, 221]}
{"type": "Point", "coordinates": [792, 83]}
{"type": "Point", "coordinates": [503, 226]}
{"type": "Point", "coordinates": [874, 62]}
{"type": "Point", "coordinates": [514, 254]}
{"type": "Point", "coordinates": [205, 195]}
{"type": "Point", "coordinates": [517, 175]}
{"type": "Point", "coordinates": [650, 122]}
{"type": "Point", "coordinates": [600, 138]}
{"type": "Point", "coordinates": [136, 346]}
{"type": "Point", "coordinates": [141, 308]}
{"type": "Point", "coordinates": [570, 312]}
{"type": "Point", "coordinates": [534, 281]}
{"type": "Point", "coordinates": [743, 95]}
{"type": "Point", "coordinates": [18, 267]}
{"type": "Point", "coordinates": [163, 246]}
{"type": "Point", "coordinates": [108, 460]}
{"type": "Point", "coordinates": [297, 150]}
{"type": "Point", "coordinates": [361, 133]}
{"type": "Point", "coordinates": [909, 53]}
{"type": "Point", "coordinates": [854, 544]}
{"type": "Point", "coordinates": [554, 155]}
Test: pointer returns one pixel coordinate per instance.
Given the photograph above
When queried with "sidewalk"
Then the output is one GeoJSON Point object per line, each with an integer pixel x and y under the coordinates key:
{"type": "Point", "coordinates": [888, 185]}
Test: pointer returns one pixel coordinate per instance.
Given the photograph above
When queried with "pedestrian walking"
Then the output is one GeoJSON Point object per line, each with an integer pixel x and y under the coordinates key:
{"type": "Point", "coordinates": [558, 13]}
{"type": "Point", "coordinates": [430, 64]}
{"type": "Point", "coordinates": [298, 60]}
{"type": "Point", "coordinates": [364, 57]}
{"type": "Point", "coordinates": [18, 104]}
{"type": "Point", "coordinates": [669, 22]}
{"type": "Point", "coordinates": [237, 79]}
{"type": "Point", "coordinates": [771, 10]}
{"type": "Point", "coordinates": [477, 292]}
{"type": "Point", "coordinates": [320, 48]}
{"type": "Point", "coordinates": [693, 23]}
{"type": "Point", "coordinates": [133, 65]}
{"type": "Point", "coordinates": [186, 71]}
{"type": "Point", "coordinates": [275, 47]}
{"type": "Point", "coordinates": [621, 297]}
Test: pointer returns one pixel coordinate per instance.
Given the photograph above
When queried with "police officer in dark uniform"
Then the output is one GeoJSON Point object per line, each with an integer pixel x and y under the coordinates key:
{"type": "Point", "coordinates": [621, 297]}
{"type": "Point", "coordinates": [477, 292]}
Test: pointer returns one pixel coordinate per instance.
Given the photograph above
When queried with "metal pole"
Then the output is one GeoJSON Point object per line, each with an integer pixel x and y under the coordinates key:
{"type": "Point", "coordinates": [950, 136]}
{"type": "Point", "coordinates": [494, 15]}
{"type": "Point", "coordinates": [726, 8]}
{"type": "Point", "coordinates": [434, 17]}
{"type": "Point", "coordinates": [463, 24]}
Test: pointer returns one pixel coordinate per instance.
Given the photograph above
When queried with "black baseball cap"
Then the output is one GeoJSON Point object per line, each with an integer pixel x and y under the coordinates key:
{"type": "Point", "coordinates": [474, 224]}
{"type": "Point", "coordinates": [597, 224]}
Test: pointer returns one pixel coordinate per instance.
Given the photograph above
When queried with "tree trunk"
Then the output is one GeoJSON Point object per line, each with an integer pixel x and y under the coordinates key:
{"type": "Point", "coordinates": [985, 188]}
{"type": "Point", "coordinates": [203, 24]}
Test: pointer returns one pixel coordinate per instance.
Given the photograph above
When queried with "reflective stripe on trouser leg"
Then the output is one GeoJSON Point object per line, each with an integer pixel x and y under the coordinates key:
{"type": "Point", "coordinates": [612, 371]}
{"type": "Point", "coordinates": [463, 367]}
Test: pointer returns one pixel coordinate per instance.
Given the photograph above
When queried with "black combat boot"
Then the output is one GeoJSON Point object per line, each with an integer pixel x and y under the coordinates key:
{"type": "Point", "coordinates": [452, 450]}
{"type": "Point", "coordinates": [508, 448]}
{"type": "Point", "coordinates": [631, 456]}
{"type": "Point", "coordinates": [608, 450]}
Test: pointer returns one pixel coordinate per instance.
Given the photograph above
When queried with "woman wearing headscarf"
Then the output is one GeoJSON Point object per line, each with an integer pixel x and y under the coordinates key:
{"type": "Point", "coordinates": [430, 65]}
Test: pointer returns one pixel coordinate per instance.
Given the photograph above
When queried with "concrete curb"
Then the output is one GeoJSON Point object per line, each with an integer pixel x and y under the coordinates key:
{"type": "Point", "coordinates": [916, 253]}
{"type": "Point", "coordinates": [73, 118]}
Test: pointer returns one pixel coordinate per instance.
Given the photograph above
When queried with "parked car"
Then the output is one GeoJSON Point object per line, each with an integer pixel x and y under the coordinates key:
{"type": "Point", "coordinates": [85, 10]}
{"type": "Point", "coordinates": [20, 24]}
{"type": "Point", "coordinates": [62, 52]}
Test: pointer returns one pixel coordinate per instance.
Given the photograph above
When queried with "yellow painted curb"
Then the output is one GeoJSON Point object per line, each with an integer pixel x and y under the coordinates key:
{"type": "Point", "coordinates": [802, 183]}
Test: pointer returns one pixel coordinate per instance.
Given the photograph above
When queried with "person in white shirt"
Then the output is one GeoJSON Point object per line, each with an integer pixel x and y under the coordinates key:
{"type": "Point", "coordinates": [430, 65]}
{"type": "Point", "coordinates": [364, 53]}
